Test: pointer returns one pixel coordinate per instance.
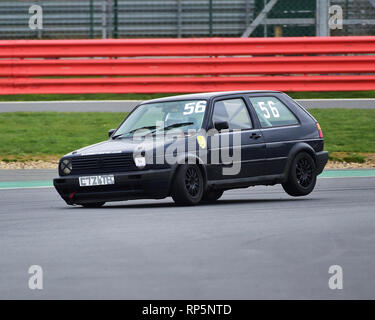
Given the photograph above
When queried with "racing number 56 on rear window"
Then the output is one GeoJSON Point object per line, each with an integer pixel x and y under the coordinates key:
{"type": "Point", "coordinates": [272, 112]}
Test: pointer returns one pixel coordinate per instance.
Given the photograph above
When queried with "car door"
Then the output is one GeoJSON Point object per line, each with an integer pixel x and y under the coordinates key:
{"type": "Point", "coordinates": [280, 128]}
{"type": "Point", "coordinates": [242, 141]}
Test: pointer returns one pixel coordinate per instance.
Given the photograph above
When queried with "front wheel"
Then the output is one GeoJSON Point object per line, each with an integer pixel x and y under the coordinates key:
{"type": "Point", "coordinates": [302, 176]}
{"type": "Point", "coordinates": [188, 185]}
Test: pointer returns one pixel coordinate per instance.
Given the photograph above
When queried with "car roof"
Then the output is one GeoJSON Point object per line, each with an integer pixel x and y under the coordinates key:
{"type": "Point", "coordinates": [206, 95]}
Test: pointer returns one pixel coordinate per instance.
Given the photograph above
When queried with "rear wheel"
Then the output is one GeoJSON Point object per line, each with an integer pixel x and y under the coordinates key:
{"type": "Point", "coordinates": [187, 186]}
{"type": "Point", "coordinates": [211, 195]}
{"type": "Point", "coordinates": [302, 176]}
{"type": "Point", "coordinates": [93, 205]}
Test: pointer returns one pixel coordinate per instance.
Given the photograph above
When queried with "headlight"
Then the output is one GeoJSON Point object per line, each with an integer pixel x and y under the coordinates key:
{"type": "Point", "coordinates": [66, 167]}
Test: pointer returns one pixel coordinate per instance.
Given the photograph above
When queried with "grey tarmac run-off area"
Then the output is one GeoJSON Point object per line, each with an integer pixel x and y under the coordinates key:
{"type": "Point", "coordinates": [254, 243]}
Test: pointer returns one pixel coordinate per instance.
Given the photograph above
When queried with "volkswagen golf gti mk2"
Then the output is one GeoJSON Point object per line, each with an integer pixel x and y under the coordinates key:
{"type": "Point", "coordinates": [181, 147]}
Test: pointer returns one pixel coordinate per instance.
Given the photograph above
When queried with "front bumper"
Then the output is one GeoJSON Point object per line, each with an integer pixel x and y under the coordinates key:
{"type": "Point", "coordinates": [321, 161]}
{"type": "Point", "coordinates": [148, 184]}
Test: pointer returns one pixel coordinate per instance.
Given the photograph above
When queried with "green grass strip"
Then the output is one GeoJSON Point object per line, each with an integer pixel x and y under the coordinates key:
{"type": "Point", "coordinates": [57, 133]}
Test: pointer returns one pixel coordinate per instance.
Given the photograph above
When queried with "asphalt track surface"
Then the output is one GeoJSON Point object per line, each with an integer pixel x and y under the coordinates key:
{"type": "Point", "coordinates": [253, 243]}
{"type": "Point", "coordinates": [128, 105]}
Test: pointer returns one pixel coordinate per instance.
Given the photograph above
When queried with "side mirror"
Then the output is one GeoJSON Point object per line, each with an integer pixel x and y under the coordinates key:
{"type": "Point", "coordinates": [222, 125]}
{"type": "Point", "coordinates": [110, 132]}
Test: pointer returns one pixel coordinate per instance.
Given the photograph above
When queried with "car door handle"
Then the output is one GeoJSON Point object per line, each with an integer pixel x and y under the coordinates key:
{"type": "Point", "coordinates": [255, 135]}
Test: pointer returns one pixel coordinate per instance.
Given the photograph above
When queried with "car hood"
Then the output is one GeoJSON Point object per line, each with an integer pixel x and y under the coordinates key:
{"type": "Point", "coordinates": [121, 145]}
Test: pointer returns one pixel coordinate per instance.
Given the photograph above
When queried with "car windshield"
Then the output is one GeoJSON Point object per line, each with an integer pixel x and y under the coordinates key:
{"type": "Point", "coordinates": [162, 117]}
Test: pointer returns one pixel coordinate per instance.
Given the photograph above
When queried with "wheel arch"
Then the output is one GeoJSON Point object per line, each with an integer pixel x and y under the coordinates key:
{"type": "Point", "coordinates": [188, 159]}
{"type": "Point", "coordinates": [299, 147]}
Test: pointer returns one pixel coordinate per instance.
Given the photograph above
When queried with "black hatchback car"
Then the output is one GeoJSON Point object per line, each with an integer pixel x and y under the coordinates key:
{"type": "Point", "coordinates": [194, 147]}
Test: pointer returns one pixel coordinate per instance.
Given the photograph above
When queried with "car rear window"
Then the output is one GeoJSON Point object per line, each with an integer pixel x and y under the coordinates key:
{"type": "Point", "coordinates": [272, 112]}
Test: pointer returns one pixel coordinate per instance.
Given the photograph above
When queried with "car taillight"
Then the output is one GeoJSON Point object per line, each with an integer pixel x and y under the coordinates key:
{"type": "Point", "coordinates": [319, 130]}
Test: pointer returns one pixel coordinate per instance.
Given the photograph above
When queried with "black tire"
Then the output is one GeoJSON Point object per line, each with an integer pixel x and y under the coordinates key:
{"type": "Point", "coordinates": [302, 176]}
{"type": "Point", "coordinates": [212, 195]}
{"type": "Point", "coordinates": [93, 205]}
{"type": "Point", "coordinates": [188, 184]}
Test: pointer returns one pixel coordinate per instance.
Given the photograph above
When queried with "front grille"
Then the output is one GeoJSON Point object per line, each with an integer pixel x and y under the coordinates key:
{"type": "Point", "coordinates": [105, 163]}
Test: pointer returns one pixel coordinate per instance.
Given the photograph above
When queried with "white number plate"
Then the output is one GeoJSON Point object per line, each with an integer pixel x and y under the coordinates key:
{"type": "Point", "coordinates": [96, 180]}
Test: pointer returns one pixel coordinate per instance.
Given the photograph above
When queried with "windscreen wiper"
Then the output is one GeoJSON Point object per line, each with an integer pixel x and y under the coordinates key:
{"type": "Point", "coordinates": [134, 130]}
{"type": "Point", "coordinates": [177, 125]}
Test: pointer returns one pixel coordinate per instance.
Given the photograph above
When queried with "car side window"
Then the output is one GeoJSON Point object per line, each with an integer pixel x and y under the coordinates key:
{"type": "Point", "coordinates": [233, 111]}
{"type": "Point", "coordinates": [272, 112]}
